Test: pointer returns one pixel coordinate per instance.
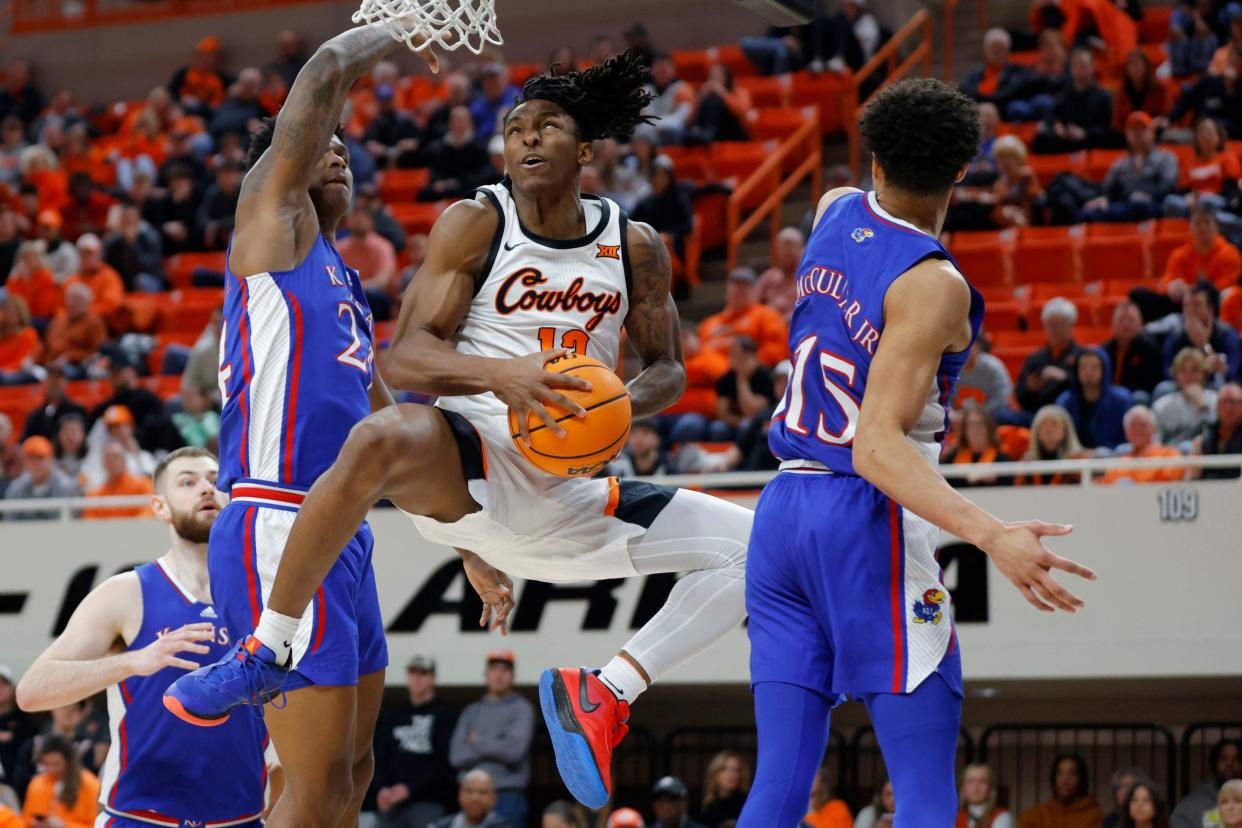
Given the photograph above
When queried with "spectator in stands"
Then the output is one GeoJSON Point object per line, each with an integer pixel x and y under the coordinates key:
{"type": "Point", "coordinates": [458, 162]}
{"type": "Point", "coordinates": [45, 420]}
{"type": "Point", "coordinates": [1137, 183]}
{"type": "Point", "coordinates": [32, 280]}
{"type": "Point", "coordinates": [19, 342]}
{"type": "Point", "coordinates": [997, 80]}
{"type": "Point", "coordinates": [1206, 256]}
{"type": "Point", "coordinates": [493, 101]}
{"type": "Point", "coordinates": [494, 734]}
{"type": "Point", "coordinates": [132, 248]}
{"type": "Point", "coordinates": [478, 801]}
{"type": "Point", "coordinates": [720, 108]}
{"type": "Point", "coordinates": [667, 207]}
{"type": "Point", "coordinates": [1229, 805]}
{"type": "Point", "coordinates": [1137, 361]}
{"type": "Point", "coordinates": [374, 258]}
{"type": "Point", "coordinates": [366, 197]}
{"type": "Point", "coordinates": [627, 180]}
{"type": "Point", "coordinates": [196, 421]}
{"type": "Point", "coordinates": [670, 804]}
{"type": "Point", "coordinates": [1220, 60]}
{"type": "Point", "coordinates": [725, 786]}
{"type": "Point", "coordinates": [76, 332]}
{"type": "Point", "coordinates": [16, 726]}
{"type": "Point", "coordinates": [391, 137]}
{"type": "Point", "coordinates": [1141, 91]}
{"type": "Point", "coordinates": [64, 793]}
{"type": "Point", "coordinates": [60, 254]}
{"type": "Point", "coordinates": [1140, 425]}
{"type": "Point", "coordinates": [1094, 403]}
{"type": "Point", "coordinates": [853, 35]}
{"type": "Point", "coordinates": [743, 315]}
{"type": "Point", "coordinates": [202, 365]}
{"type": "Point", "coordinates": [561, 814]}
{"type": "Point", "coordinates": [672, 100]}
{"type": "Point", "coordinates": [40, 479]}
{"type": "Point", "coordinates": [826, 810]}
{"type": "Point", "coordinates": [1212, 173]}
{"type": "Point", "coordinates": [87, 735]}
{"type": "Point", "coordinates": [1224, 434]}
{"type": "Point", "coordinates": [10, 454]}
{"type": "Point", "coordinates": [977, 800]}
{"type": "Point", "coordinates": [290, 56]}
{"type": "Point", "coordinates": [1122, 780]}
{"type": "Point", "coordinates": [744, 392]}
{"type": "Point", "coordinates": [1081, 117]}
{"type": "Point", "coordinates": [1213, 96]}
{"type": "Point", "coordinates": [778, 285]}
{"type": "Point", "coordinates": [1053, 437]}
{"type": "Point", "coordinates": [1191, 44]}
{"type": "Point", "coordinates": [704, 367]}
{"type": "Point", "coordinates": [69, 444]}
{"type": "Point", "coordinates": [411, 752]}
{"type": "Point", "coordinates": [1183, 413]}
{"type": "Point", "coordinates": [882, 805]}
{"type": "Point", "coordinates": [118, 481]}
{"type": "Point", "coordinates": [118, 429]}
{"type": "Point", "coordinates": [12, 145]}
{"type": "Point", "coordinates": [1145, 806]}
{"type": "Point", "coordinates": [174, 212]}
{"type": "Point", "coordinates": [644, 454]}
{"type": "Point", "coordinates": [200, 86]}
{"type": "Point", "coordinates": [87, 210]}
{"type": "Point", "coordinates": [41, 170]}
{"type": "Point", "coordinates": [1071, 804]}
{"type": "Point", "coordinates": [978, 442]}
{"type": "Point", "coordinates": [20, 97]}
{"type": "Point", "coordinates": [145, 406]}
{"type": "Point", "coordinates": [624, 818]}
{"type": "Point", "coordinates": [457, 92]}
{"type": "Point", "coordinates": [104, 282]}
{"type": "Point", "coordinates": [638, 39]}
{"type": "Point", "coordinates": [984, 379]}
{"type": "Point", "coordinates": [215, 216]}
{"type": "Point", "coordinates": [9, 241]}
{"type": "Point", "coordinates": [1012, 197]}
{"type": "Point", "coordinates": [181, 153]}
{"type": "Point", "coordinates": [1046, 373]}
{"type": "Point", "coordinates": [240, 112]}
{"type": "Point", "coordinates": [1202, 329]}
{"type": "Point", "coordinates": [1225, 760]}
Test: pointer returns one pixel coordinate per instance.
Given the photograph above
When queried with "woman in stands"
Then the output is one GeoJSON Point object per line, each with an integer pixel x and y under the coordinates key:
{"type": "Point", "coordinates": [1211, 176]}
{"type": "Point", "coordinates": [1229, 805]}
{"type": "Point", "coordinates": [64, 793]}
{"type": "Point", "coordinates": [19, 342]}
{"type": "Point", "coordinates": [883, 805]}
{"type": "Point", "coordinates": [720, 108]}
{"type": "Point", "coordinates": [1182, 414]}
{"type": "Point", "coordinates": [1053, 437]}
{"type": "Point", "coordinates": [1140, 91]}
{"type": "Point", "coordinates": [977, 800]}
{"type": "Point", "coordinates": [724, 788]}
{"type": "Point", "coordinates": [979, 443]}
{"type": "Point", "coordinates": [1145, 807]}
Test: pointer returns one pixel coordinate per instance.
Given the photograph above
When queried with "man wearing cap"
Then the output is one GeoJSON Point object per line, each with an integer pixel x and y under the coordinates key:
{"type": "Point", "coordinates": [119, 482]}
{"type": "Point", "coordinates": [61, 256]}
{"type": "Point", "coordinates": [1138, 182]}
{"type": "Point", "coordinates": [494, 734]}
{"type": "Point", "coordinates": [16, 726]}
{"type": "Point", "coordinates": [744, 315]}
{"type": "Point", "coordinates": [103, 280]}
{"type": "Point", "coordinates": [40, 479]}
{"type": "Point", "coordinates": [117, 430]}
{"type": "Point", "coordinates": [625, 818]}
{"type": "Point", "coordinates": [412, 775]}
{"type": "Point", "coordinates": [670, 804]}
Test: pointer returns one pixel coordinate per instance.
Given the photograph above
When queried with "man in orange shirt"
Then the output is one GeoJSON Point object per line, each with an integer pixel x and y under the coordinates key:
{"type": "Point", "coordinates": [32, 280]}
{"type": "Point", "coordinates": [743, 315]}
{"type": "Point", "coordinates": [200, 86]}
{"type": "Point", "coordinates": [1206, 256]}
{"type": "Point", "coordinates": [375, 259]}
{"type": "Point", "coordinates": [119, 482]}
{"type": "Point", "coordinates": [76, 333]}
{"type": "Point", "coordinates": [105, 283]}
{"type": "Point", "coordinates": [1140, 427]}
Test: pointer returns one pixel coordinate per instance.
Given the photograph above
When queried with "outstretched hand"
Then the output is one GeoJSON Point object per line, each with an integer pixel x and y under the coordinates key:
{"type": "Point", "coordinates": [1019, 553]}
{"type": "Point", "coordinates": [164, 652]}
{"type": "Point", "coordinates": [495, 590]}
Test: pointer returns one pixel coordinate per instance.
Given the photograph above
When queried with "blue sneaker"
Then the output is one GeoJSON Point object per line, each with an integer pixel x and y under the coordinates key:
{"type": "Point", "coordinates": [248, 674]}
{"type": "Point", "coordinates": [586, 722]}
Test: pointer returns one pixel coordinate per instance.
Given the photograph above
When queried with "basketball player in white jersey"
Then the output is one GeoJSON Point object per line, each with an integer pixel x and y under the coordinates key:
{"type": "Point", "coordinates": [132, 635]}
{"type": "Point", "coordinates": [514, 278]}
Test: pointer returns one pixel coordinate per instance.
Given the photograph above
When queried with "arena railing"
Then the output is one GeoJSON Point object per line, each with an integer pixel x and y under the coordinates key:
{"type": "Point", "coordinates": [30, 16]}
{"type": "Point", "coordinates": [805, 141]}
{"type": "Point", "coordinates": [1196, 743]}
{"type": "Point", "coordinates": [1021, 755]}
{"type": "Point", "coordinates": [886, 58]}
{"type": "Point", "coordinates": [64, 509]}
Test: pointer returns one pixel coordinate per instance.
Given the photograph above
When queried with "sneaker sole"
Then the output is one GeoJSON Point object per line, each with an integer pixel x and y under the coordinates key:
{"type": "Point", "coordinates": [574, 757]}
{"type": "Point", "coordinates": [174, 706]}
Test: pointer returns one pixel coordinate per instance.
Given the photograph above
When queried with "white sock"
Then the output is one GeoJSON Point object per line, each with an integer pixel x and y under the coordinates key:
{"type": "Point", "coordinates": [622, 679]}
{"type": "Point", "coordinates": [276, 631]}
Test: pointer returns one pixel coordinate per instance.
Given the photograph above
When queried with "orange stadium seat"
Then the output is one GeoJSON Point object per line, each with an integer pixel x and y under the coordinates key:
{"type": "Point", "coordinates": [777, 124]}
{"type": "Point", "coordinates": [984, 257]}
{"type": "Point", "coordinates": [1025, 132]}
{"type": "Point", "coordinates": [180, 268]}
{"type": "Point", "coordinates": [691, 64]}
{"type": "Point", "coordinates": [1043, 291]}
{"type": "Point", "coordinates": [519, 73]}
{"type": "Point", "coordinates": [732, 56]}
{"type": "Point", "coordinates": [1002, 316]}
{"type": "Point", "coordinates": [1047, 167]}
{"type": "Point", "coordinates": [403, 185]}
{"type": "Point", "coordinates": [827, 91]}
{"type": "Point", "coordinates": [417, 217]}
{"type": "Point", "coordinates": [1026, 341]}
{"type": "Point", "coordinates": [1045, 259]}
{"type": "Point", "coordinates": [1100, 160]}
{"type": "Point", "coordinates": [1092, 334]}
{"type": "Point", "coordinates": [767, 91]}
{"type": "Point", "coordinates": [1114, 257]}
{"type": "Point", "coordinates": [690, 163]}
{"type": "Point", "coordinates": [737, 160]}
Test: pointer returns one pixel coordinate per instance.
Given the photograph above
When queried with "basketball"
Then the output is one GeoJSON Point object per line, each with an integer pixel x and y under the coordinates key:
{"type": "Point", "coordinates": [590, 443]}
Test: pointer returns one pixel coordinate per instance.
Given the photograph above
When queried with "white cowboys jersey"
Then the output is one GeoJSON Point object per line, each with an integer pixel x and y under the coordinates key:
{"type": "Point", "coordinates": [536, 293]}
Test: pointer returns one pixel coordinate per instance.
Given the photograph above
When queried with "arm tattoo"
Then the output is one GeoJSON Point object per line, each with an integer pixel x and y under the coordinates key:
{"type": "Point", "coordinates": [653, 326]}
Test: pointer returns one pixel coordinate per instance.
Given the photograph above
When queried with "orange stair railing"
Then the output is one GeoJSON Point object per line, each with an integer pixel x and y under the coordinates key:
{"type": "Point", "coordinates": [806, 144]}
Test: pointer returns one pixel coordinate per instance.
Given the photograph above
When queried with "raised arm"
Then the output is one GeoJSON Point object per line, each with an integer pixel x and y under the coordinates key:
{"type": "Point", "coordinates": [924, 316]}
{"type": "Point", "coordinates": [652, 324]}
{"type": "Point", "coordinates": [89, 655]}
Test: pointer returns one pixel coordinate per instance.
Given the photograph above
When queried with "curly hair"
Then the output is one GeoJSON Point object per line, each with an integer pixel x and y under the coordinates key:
{"type": "Point", "coordinates": [261, 139]}
{"type": "Point", "coordinates": [922, 132]}
{"type": "Point", "coordinates": [605, 101]}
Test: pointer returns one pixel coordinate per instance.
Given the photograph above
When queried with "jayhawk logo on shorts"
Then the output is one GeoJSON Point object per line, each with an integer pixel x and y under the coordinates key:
{"type": "Point", "coordinates": [861, 234]}
{"type": "Point", "coordinates": [928, 610]}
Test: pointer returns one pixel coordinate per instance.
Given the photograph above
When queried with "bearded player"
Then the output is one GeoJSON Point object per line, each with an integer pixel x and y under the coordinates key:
{"type": "Point", "coordinates": [843, 570]}
{"type": "Point", "coordinates": [133, 635]}
{"type": "Point", "coordinates": [296, 374]}
{"type": "Point", "coordinates": [513, 278]}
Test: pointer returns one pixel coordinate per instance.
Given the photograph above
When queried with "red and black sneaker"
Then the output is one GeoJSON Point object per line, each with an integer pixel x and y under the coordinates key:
{"type": "Point", "coordinates": [586, 722]}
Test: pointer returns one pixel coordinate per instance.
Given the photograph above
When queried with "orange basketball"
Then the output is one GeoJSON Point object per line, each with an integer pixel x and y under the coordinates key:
{"type": "Point", "coordinates": [589, 443]}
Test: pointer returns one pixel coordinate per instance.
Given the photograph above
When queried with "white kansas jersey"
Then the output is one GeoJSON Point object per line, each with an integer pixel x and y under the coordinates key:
{"type": "Point", "coordinates": [536, 293]}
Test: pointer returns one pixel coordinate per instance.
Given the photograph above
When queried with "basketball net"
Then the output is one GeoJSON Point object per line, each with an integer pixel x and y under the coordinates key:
{"type": "Point", "coordinates": [449, 24]}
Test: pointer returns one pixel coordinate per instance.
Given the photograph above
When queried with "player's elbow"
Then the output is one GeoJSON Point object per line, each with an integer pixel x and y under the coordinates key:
{"type": "Point", "coordinates": [329, 63]}
{"type": "Point", "coordinates": [28, 698]}
{"type": "Point", "coordinates": [867, 453]}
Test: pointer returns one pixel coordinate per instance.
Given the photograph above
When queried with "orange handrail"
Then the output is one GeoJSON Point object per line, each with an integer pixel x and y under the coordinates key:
{"type": "Point", "coordinates": [887, 55]}
{"type": "Point", "coordinates": [31, 16]}
{"type": "Point", "coordinates": [950, 12]}
{"type": "Point", "coordinates": [806, 139]}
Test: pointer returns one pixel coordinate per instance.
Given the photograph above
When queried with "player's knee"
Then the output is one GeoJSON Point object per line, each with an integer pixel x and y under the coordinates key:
{"type": "Point", "coordinates": [364, 770]}
{"type": "Point", "coordinates": [392, 438]}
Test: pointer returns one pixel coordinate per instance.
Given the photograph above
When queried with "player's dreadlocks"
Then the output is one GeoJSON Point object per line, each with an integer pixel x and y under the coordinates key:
{"type": "Point", "coordinates": [606, 100]}
{"type": "Point", "coordinates": [261, 139]}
